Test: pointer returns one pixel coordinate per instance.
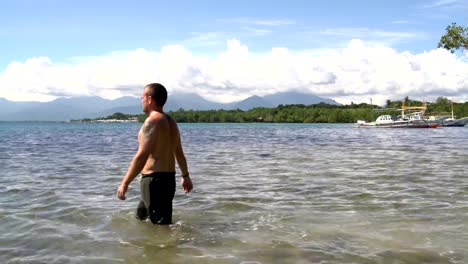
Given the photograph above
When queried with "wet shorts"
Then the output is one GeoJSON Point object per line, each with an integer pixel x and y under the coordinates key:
{"type": "Point", "coordinates": [157, 191]}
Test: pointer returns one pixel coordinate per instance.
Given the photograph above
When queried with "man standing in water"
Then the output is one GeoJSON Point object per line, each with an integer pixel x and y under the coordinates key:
{"type": "Point", "coordinates": [159, 147]}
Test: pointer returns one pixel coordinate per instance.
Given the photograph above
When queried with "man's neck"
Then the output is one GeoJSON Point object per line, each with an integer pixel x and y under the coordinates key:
{"type": "Point", "coordinates": [156, 110]}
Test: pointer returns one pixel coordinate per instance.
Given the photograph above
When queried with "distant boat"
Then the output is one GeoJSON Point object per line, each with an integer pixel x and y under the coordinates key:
{"type": "Point", "coordinates": [452, 121]}
{"type": "Point", "coordinates": [388, 121]}
{"type": "Point", "coordinates": [410, 120]}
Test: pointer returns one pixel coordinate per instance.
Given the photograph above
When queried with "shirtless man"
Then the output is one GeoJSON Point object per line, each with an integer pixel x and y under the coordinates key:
{"type": "Point", "coordinates": [159, 147]}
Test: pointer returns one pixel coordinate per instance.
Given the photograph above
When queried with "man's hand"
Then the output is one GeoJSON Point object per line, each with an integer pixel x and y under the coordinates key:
{"type": "Point", "coordinates": [187, 184]}
{"type": "Point", "coordinates": [121, 191]}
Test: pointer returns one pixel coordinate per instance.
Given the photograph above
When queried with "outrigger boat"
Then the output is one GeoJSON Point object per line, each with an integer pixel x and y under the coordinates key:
{"type": "Point", "coordinates": [410, 120]}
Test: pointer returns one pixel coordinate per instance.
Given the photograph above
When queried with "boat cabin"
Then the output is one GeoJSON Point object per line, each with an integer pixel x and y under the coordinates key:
{"type": "Point", "coordinates": [384, 119]}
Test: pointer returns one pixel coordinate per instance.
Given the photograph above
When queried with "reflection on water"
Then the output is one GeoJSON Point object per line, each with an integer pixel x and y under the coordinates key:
{"type": "Point", "coordinates": [264, 193]}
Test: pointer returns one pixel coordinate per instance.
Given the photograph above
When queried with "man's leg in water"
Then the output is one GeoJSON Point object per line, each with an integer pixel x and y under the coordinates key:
{"type": "Point", "coordinates": [142, 209]}
{"type": "Point", "coordinates": [162, 190]}
{"type": "Point", "coordinates": [142, 212]}
{"type": "Point", "coordinates": [157, 193]}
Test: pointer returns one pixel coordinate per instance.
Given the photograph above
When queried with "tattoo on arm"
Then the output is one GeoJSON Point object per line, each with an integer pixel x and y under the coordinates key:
{"type": "Point", "coordinates": [147, 129]}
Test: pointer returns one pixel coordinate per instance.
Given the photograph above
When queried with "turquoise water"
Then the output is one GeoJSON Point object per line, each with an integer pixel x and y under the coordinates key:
{"type": "Point", "coordinates": [264, 193]}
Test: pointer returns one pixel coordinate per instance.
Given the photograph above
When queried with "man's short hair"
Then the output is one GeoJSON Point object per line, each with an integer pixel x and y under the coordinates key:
{"type": "Point", "coordinates": [158, 92]}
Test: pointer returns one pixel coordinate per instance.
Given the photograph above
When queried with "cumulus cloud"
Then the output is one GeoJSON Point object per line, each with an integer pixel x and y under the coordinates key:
{"type": "Point", "coordinates": [355, 73]}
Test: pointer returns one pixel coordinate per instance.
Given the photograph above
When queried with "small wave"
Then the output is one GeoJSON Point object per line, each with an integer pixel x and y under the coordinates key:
{"type": "Point", "coordinates": [412, 256]}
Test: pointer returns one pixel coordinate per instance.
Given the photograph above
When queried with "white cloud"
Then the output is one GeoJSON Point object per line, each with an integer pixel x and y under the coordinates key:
{"type": "Point", "coordinates": [400, 22]}
{"type": "Point", "coordinates": [278, 22]}
{"type": "Point", "coordinates": [258, 31]}
{"type": "Point", "coordinates": [445, 3]}
{"type": "Point", "coordinates": [203, 39]}
{"type": "Point", "coordinates": [355, 73]}
{"type": "Point", "coordinates": [260, 22]}
{"type": "Point", "coordinates": [370, 35]}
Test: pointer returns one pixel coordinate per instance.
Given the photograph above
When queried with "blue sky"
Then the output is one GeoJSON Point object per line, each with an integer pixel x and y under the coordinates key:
{"type": "Point", "coordinates": [68, 31]}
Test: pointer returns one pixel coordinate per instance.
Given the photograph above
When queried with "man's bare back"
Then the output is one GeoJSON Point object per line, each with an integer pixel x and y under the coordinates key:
{"type": "Point", "coordinates": [161, 158]}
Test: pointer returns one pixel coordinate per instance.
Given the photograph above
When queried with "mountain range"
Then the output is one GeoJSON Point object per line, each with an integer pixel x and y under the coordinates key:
{"type": "Point", "coordinates": [64, 109]}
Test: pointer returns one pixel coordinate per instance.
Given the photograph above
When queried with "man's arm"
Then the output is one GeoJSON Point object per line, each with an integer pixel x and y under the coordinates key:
{"type": "Point", "coordinates": [179, 154]}
{"type": "Point", "coordinates": [147, 140]}
{"type": "Point", "coordinates": [180, 157]}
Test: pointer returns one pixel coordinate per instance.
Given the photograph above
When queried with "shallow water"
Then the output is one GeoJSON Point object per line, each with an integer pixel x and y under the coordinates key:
{"type": "Point", "coordinates": [264, 193]}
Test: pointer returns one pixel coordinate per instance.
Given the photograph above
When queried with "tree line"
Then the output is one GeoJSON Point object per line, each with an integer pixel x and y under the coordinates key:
{"type": "Point", "coordinates": [298, 113]}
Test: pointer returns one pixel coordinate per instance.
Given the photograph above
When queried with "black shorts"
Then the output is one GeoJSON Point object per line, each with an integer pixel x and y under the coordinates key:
{"type": "Point", "coordinates": [157, 193]}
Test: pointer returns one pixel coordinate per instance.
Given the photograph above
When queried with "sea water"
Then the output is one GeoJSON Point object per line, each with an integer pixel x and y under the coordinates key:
{"type": "Point", "coordinates": [263, 193]}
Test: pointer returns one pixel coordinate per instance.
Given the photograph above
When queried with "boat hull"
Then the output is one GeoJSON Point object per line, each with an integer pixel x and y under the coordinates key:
{"type": "Point", "coordinates": [401, 124]}
{"type": "Point", "coordinates": [455, 123]}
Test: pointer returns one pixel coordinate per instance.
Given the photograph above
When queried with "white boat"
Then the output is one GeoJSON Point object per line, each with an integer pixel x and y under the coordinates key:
{"type": "Point", "coordinates": [389, 121]}
{"type": "Point", "coordinates": [411, 120]}
{"type": "Point", "coordinates": [382, 121]}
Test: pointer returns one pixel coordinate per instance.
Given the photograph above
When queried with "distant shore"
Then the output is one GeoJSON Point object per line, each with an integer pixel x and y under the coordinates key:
{"type": "Point", "coordinates": [317, 113]}
{"type": "Point", "coordinates": [105, 121]}
{"type": "Point", "coordinates": [114, 118]}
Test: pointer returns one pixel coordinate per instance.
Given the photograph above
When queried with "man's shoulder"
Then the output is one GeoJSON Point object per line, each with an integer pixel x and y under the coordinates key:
{"type": "Point", "coordinates": [150, 122]}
